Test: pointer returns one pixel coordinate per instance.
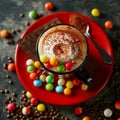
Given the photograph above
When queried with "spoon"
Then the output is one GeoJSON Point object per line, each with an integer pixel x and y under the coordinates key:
{"type": "Point", "coordinates": [82, 25]}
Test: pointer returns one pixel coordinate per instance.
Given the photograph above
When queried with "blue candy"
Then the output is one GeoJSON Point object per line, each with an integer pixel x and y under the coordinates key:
{"type": "Point", "coordinates": [59, 89]}
{"type": "Point", "coordinates": [37, 83]}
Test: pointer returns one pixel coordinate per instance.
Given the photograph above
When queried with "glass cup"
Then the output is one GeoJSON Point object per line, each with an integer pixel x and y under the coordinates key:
{"type": "Point", "coordinates": [63, 49]}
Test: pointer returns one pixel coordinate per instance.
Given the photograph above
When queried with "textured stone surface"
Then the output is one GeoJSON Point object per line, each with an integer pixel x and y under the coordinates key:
{"type": "Point", "coordinates": [10, 19]}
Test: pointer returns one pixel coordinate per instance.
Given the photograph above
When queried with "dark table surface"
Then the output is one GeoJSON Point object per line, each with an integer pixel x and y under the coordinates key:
{"type": "Point", "coordinates": [10, 19]}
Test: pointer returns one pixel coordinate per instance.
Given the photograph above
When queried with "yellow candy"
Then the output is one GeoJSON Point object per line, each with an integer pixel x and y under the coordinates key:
{"type": "Point", "coordinates": [54, 61]}
{"type": "Point", "coordinates": [36, 64]}
{"type": "Point", "coordinates": [69, 84]}
{"type": "Point", "coordinates": [28, 94]}
{"type": "Point", "coordinates": [67, 91]}
{"type": "Point", "coordinates": [41, 107]}
{"type": "Point", "coordinates": [95, 12]}
{"type": "Point", "coordinates": [44, 59]}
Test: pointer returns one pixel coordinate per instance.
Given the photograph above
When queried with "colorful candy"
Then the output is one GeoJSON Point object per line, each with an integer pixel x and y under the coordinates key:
{"type": "Point", "coordinates": [68, 65]}
{"type": "Point", "coordinates": [34, 101]}
{"type": "Point", "coordinates": [29, 62]}
{"type": "Point", "coordinates": [86, 118]}
{"type": "Point", "coordinates": [28, 94]}
{"type": "Point", "coordinates": [48, 6]}
{"type": "Point", "coordinates": [78, 110]}
{"type": "Point", "coordinates": [69, 84]}
{"type": "Point", "coordinates": [49, 86]}
{"type": "Point", "coordinates": [60, 68]}
{"type": "Point", "coordinates": [61, 81]}
{"type": "Point", "coordinates": [49, 79]}
{"type": "Point", "coordinates": [95, 12]}
{"type": "Point", "coordinates": [33, 14]}
{"type": "Point", "coordinates": [36, 64]}
{"type": "Point", "coordinates": [109, 24]}
{"type": "Point", "coordinates": [42, 78]}
{"type": "Point", "coordinates": [59, 89]}
{"type": "Point", "coordinates": [54, 61]}
{"type": "Point", "coordinates": [11, 67]}
{"type": "Point", "coordinates": [108, 112]}
{"type": "Point", "coordinates": [30, 68]}
{"type": "Point", "coordinates": [41, 107]}
{"type": "Point", "coordinates": [11, 107]}
{"type": "Point", "coordinates": [37, 83]}
{"type": "Point", "coordinates": [33, 75]}
{"type": "Point", "coordinates": [84, 87]}
{"type": "Point", "coordinates": [117, 105]}
{"type": "Point", "coordinates": [4, 33]}
{"type": "Point", "coordinates": [67, 91]}
{"type": "Point", "coordinates": [44, 59]}
{"type": "Point", "coordinates": [26, 111]}
{"type": "Point", "coordinates": [76, 82]}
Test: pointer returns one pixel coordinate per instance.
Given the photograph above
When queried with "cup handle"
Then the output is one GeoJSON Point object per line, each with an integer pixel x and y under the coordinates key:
{"type": "Point", "coordinates": [84, 76]}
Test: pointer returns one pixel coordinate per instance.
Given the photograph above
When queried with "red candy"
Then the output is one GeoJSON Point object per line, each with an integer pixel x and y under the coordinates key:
{"type": "Point", "coordinates": [78, 110]}
{"type": "Point", "coordinates": [68, 65]}
{"type": "Point", "coordinates": [48, 6]}
{"type": "Point", "coordinates": [11, 67]}
{"type": "Point", "coordinates": [11, 107]}
{"type": "Point", "coordinates": [108, 24]}
{"type": "Point", "coordinates": [34, 101]}
{"type": "Point", "coordinates": [48, 65]}
{"type": "Point", "coordinates": [33, 75]}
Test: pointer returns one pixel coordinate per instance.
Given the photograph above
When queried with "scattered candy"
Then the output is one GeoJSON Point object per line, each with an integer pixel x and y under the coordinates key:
{"type": "Point", "coordinates": [54, 61]}
{"type": "Point", "coordinates": [67, 91]}
{"type": "Point", "coordinates": [29, 62]}
{"type": "Point", "coordinates": [11, 67]}
{"type": "Point", "coordinates": [60, 68]}
{"type": "Point", "coordinates": [76, 82]}
{"type": "Point", "coordinates": [86, 118]}
{"type": "Point", "coordinates": [4, 33]}
{"type": "Point", "coordinates": [26, 111]}
{"type": "Point", "coordinates": [69, 84]}
{"type": "Point", "coordinates": [78, 110]}
{"type": "Point", "coordinates": [59, 89]}
{"type": "Point", "coordinates": [43, 78]}
{"type": "Point", "coordinates": [68, 65]}
{"type": "Point", "coordinates": [33, 75]}
{"type": "Point", "coordinates": [49, 79]}
{"type": "Point", "coordinates": [28, 94]}
{"type": "Point", "coordinates": [41, 107]}
{"type": "Point", "coordinates": [30, 68]}
{"type": "Point", "coordinates": [48, 6]}
{"type": "Point", "coordinates": [84, 87]}
{"type": "Point", "coordinates": [49, 86]}
{"type": "Point", "coordinates": [61, 82]}
{"type": "Point", "coordinates": [34, 101]}
{"type": "Point", "coordinates": [95, 12]}
{"type": "Point", "coordinates": [37, 83]}
{"type": "Point", "coordinates": [33, 14]}
{"type": "Point", "coordinates": [108, 24]}
{"type": "Point", "coordinates": [36, 64]}
{"type": "Point", "coordinates": [11, 107]}
{"type": "Point", "coordinates": [44, 59]}
{"type": "Point", "coordinates": [108, 112]}
{"type": "Point", "coordinates": [48, 65]}
{"type": "Point", "coordinates": [117, 105]}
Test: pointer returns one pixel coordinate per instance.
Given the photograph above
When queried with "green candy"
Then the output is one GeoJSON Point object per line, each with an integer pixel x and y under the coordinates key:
{"type": "Point", "coordinates": [49, 79]}
{"type": "Point", "coordinates": [49, 86]}
{"type": "Point", "coordinates": [33, 14]}
{"type": "Point", "coordinates": [60, 68]}
{"type": "Point", "coordinates": [30, 68]}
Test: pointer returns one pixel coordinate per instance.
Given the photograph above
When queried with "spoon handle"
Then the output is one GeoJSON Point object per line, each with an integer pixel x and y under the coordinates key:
{"type": "Point", "coordinates": [107, 59]}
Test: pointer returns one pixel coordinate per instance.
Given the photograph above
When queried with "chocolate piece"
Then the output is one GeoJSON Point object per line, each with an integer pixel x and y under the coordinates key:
{"type": "Point", "coordinates": [28, 43]}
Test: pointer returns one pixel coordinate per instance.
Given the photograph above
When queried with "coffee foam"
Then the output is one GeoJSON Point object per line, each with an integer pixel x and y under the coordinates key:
{"type": "Point", "coordinates": [64, 42]}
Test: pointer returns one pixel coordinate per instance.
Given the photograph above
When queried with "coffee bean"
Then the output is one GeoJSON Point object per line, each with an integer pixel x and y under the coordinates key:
{"type": "Point", "coordinates": [6, 91]}
{"type": "Point", "coordinates": [22, 15]}
{"type": "Point", "coordinates": [5, 65]}
{"type": "Point", "coordinates": [10, 82]}
{"type": "Point", "coordinates": [10, 42]}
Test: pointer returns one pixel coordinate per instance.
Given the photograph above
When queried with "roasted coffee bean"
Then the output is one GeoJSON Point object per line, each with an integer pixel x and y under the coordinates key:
{"type": "Point", "coordinates": [5, 65]}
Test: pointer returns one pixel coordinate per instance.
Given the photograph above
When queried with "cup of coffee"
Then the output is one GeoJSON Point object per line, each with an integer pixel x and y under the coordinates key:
{"type": "Point", "coordinates": [63, 49]}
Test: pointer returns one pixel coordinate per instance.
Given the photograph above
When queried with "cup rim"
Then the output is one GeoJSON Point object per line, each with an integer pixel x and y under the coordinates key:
{"type": "Point", "coordinates": [66, 72]}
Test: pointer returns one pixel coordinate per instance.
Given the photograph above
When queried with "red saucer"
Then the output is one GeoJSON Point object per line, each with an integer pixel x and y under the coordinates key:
{"type": "Point", "coordinates": [101, 76]}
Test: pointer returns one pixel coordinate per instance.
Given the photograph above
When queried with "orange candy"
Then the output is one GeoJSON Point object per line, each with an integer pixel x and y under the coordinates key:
{"type": "Point", "coordinates": [48, 6]}
{"type": "Point", "coordinates": [67, 91]}
{"type": "Point", "coordinates": [33, 75]}
{"type": "Point", "coordinates": [117, 105]}
{"type": "Point", "coordinates": [109, 24]}
{"type": "Point", "coordinates": [4, 33]}
{"type": "Point", "coordinates": [11, 67]}
{"type": "Point", "coordinates": [86, 118]}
